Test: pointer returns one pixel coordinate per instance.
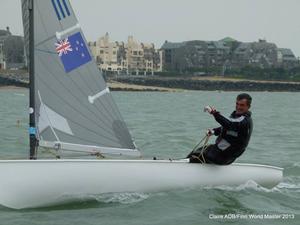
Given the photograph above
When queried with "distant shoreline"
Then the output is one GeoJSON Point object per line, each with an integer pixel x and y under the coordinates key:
{"type": "Point", "coordinates": [112, 86]}
{"type": "Point", "coordinates": [171, 84]}
{"type": "Point", "coordinates": [11, 87]}
{"type": "Point", "coordinates": [211, 83]}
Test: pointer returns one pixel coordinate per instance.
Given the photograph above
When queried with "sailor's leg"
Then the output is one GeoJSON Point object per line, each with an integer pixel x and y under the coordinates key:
{"type": "Point", "coordinates": [195, 152]}
{"type": "Point", "coordinates": [199, 156]}
{"type": "Point", "coordinates": [217, 156]}
{"type": "Point", "coordinates": [211, 155]}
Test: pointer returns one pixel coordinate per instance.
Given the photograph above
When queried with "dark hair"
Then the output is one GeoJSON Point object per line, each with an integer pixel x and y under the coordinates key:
{"type": "Point", "coordinates": [245, 96]}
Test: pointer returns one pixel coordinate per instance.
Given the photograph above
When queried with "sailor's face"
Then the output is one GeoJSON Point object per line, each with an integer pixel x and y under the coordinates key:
{"type": "Point", "coordinates": [241, 106]}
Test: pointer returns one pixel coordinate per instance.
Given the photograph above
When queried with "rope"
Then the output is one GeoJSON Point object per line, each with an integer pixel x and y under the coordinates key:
{"type": "Point", "coordinates": [205, 144]}
{"type": "Point", "coordinates": [51, 152]}
{"type": "Point", "coordinates": [205, 139]}
{"type": "Point", "coordinates": [54, 152]}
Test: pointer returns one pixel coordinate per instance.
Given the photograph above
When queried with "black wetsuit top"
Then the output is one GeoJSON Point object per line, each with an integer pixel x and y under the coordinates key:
{"type": "Point", "coordinates": [233, 135]}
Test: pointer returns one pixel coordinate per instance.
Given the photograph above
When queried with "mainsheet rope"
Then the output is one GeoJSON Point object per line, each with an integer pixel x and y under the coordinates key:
{"type": "Point", "coordinates": [205, 140]}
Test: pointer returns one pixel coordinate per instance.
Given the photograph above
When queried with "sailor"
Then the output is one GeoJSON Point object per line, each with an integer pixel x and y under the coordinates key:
{"type": "Point", "coordinates": [233, 134]}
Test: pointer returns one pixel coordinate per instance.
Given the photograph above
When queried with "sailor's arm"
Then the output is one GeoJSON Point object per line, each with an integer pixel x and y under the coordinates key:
{"type": "Point", "coordinates": [217, 131]}
{"type": "Point", "coordinates": [230, 124]}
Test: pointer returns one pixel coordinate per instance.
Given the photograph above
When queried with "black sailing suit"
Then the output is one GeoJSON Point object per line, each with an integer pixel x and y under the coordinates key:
{"type": "Point", "coordinates": [233, 138]}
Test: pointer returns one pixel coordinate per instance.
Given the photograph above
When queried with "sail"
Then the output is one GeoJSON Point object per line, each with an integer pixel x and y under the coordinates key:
{"type": "Point", "coordinates": [74, 108]}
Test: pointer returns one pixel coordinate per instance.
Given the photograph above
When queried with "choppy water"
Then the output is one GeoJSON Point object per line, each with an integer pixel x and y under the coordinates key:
{"type": "Point", "coordinates": [169, 125]}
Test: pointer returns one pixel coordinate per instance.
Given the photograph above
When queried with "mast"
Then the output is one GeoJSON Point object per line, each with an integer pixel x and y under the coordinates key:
{"type": "Point", "coordinates": [32, 127]}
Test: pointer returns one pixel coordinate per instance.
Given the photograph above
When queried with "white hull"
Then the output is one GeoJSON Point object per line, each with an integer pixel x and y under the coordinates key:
{"type": "Point", "coordinates": [37, 183]}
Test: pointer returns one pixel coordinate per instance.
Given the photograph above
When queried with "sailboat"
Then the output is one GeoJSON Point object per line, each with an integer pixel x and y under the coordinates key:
{"type": "Point", "coordinates": [72, 110]}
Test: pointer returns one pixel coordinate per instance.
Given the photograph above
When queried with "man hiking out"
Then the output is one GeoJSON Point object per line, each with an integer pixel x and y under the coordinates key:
{"type": "Point", "coordinates": [233, 134]}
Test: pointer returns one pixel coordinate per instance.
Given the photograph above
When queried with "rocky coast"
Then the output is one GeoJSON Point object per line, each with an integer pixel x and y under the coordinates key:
{"type": "Point", "coordinates": [168, 84]}
{"type": "Point", "coordinates": [212, 84]}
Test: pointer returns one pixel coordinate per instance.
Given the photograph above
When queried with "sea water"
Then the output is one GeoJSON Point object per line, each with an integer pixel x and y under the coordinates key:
{"type": "Point", "coordinates": [169, 125]}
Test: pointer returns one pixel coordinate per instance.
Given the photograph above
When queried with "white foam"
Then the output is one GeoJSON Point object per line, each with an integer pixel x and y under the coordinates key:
{"type": "Point", "coordinates": [284, 186]}
{"type": "Point", "coordinates": [19, 94]}
{"type": "Point", "coordinates": [249, 185]}
{"type": "Point", "coordinates": [287, 185]}
{"type": "Point", "coordinates": [123, 198]}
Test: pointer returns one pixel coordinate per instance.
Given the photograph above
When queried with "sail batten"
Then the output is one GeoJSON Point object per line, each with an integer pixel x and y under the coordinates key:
{"type": "Point", "coordinates": [73, 103]}
{"type": "Point", "coordinates": [89, 149]}
{"type": "Point", "coordinates": [59, 35]}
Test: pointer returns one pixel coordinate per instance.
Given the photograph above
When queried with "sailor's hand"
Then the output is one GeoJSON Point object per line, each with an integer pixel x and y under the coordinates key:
{"type": "Point", "coordinates": [209, 109]}
{"type": "Point", "coordinates": [210, 132]}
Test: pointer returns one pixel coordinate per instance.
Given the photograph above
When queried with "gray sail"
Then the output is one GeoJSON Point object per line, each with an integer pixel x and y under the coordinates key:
{"type": "Point", "coordinates": [74, 108]}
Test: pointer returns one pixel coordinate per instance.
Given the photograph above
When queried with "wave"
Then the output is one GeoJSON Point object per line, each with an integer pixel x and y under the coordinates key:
{"type": "Point", "coordinates": [296, 164]}
{"type": "Point", "coordinates": [19, 94]}
{"type": "Point", "coordinates": [70, 201]}
{"type": "Point", "coordinates": [122, 198]}
{"type": "Point", "coordinates": [249, 185]}
{"type": "Point", "coordinates": [287, 185]}
{"type": "Point", "coordinates": [109, 198]}
{"type": "Point", "coordinates": [291, 183]}
{"type": "Point", "coordinates": [295, 187]}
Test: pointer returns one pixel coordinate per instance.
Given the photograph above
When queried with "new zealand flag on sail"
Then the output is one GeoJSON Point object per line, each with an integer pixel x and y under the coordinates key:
{"type": "Point", "coordinates": [73, 52]}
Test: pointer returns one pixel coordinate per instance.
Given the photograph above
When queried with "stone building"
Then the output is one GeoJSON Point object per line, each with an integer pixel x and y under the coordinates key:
{"type": "Point", "coordinates": [12, 48]}
{"type": "Point", "coordinates": [194, 55]}
{"type": "Point", "coordinates": [172, 56]}
{"type": "Point", "coordinates": [260, 54]}
{"type": "Point", "coordinates": [286, 58]}
{"type": "Point", "coordinates": [217, 56]}
{"type": "Point", "coordinates": [142, 57]}
{"type": "Point", "coordinates": [108, 55]}
{"type": "Point", "coordinates": [3, 35]}
{"type": "Point", "coordinates": [2, 61]}
{"type": "Point", "coordinates": [130, 58]}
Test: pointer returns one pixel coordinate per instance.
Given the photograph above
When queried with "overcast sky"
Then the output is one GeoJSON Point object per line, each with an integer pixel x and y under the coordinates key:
{"type": "Point", "coordinates": [155, 21]}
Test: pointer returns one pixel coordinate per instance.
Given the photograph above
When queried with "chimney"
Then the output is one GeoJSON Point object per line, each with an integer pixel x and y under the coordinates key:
{"type": "Point", "coordinates": [8, 31]}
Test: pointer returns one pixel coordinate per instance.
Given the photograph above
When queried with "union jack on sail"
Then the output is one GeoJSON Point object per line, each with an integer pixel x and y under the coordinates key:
{"type": "Point", "coordinates": [63, 46]}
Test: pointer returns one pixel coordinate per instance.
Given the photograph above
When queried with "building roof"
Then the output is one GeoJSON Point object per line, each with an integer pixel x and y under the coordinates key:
{"type": "Point", "coordinates": [228, 39]}
{"type": "Point", "coordinates": [220, 45]}
{"type": "Point", "coordinates": [4, 33]}
{"type": "Point", "coordinates": [243, 46]}
{"type": "Point", "coordinates": [172, 45]}
{"type": "Point", "coordinates": [286, 51]}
